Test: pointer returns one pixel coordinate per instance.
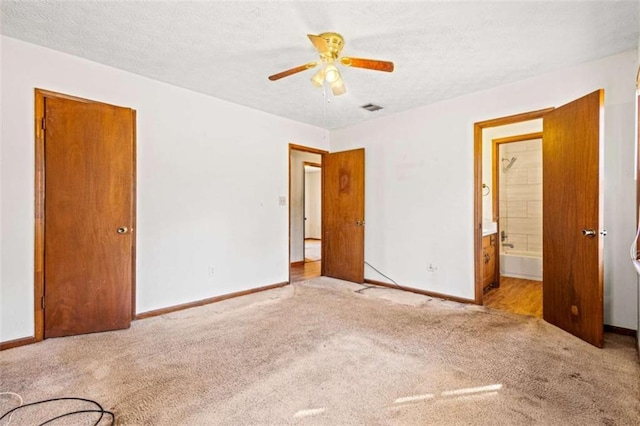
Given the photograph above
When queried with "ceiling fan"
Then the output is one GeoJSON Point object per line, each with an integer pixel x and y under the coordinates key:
{"type": "Point", "coordinates": [329, 45]}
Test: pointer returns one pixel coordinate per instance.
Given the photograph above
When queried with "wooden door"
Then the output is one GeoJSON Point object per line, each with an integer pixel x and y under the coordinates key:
{"type": "Point", "coordinates": [343, 215]}
{"type": "Point", "coordinates": [572, 217]}
{"type": "Point", "coordinates": [89, 164]}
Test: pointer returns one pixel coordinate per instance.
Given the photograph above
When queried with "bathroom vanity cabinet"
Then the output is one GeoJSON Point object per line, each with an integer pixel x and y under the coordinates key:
{"type": "Point", "coordinates": [488, 261]}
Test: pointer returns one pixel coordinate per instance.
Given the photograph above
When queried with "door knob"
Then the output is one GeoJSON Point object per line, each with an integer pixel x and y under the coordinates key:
{"type": "Point", "coordinates": [590, 233]}
{"type": "Point", "coordinates": [123, 230]}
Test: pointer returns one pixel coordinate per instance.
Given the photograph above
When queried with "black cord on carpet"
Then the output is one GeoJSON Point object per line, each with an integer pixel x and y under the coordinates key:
{"type": "Point", "coordinates": [366, 287]}
{"type": "Point", "coordinates": [390, 279]}
{"type": "Point", "coordinates": [100, 410]}
{"type": "Point", "coordinates": [73, 413]}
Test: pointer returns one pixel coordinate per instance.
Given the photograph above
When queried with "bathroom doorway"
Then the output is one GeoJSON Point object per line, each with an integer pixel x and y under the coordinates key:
{"type": "Point", "coordinates": [572, 216]}
{"type": "Point", "coordinates": [516, 169]}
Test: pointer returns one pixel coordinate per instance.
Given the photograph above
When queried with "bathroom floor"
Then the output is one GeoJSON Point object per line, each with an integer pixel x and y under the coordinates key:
{"type": "Point", "coordinates": [516, 295]}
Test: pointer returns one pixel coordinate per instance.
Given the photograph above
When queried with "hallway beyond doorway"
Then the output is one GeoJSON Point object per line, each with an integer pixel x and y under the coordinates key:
{"type": "Point", "coordinates": [312, 250]}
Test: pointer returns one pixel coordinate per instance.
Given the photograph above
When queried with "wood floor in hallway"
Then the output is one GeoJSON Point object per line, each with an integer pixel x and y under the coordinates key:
{"type": "Point", "coordinates": [516, 295]}
{"type": "Point", "coordinates": [311, 268]}
{"type": "Point", "coordinates": [305, 271]}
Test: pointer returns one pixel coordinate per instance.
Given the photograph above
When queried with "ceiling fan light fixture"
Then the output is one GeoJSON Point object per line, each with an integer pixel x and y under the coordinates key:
{"type": "Point", "coordinates": [318, 78]}
{"type": "Point", "coordinates": [337, 87]}
{"type": "Point", "coordinates": [331, 74]}
{"type": "Point", "coordinates": [329, 46]}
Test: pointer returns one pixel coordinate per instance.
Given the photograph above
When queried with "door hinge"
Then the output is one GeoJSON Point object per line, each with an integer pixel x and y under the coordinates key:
{"type": "Point", "coordinates": [42, 302]}
{"type": "Point", "coordinates": [43, 123]}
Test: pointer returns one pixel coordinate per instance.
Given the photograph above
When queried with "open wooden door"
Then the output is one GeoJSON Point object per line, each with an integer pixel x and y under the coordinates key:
{"type": "Point", "coordinates": [88, 219]}
{"type": "Point", "coordinates": [343, 215]}
{"type": "Point", "coordinates": [572, 214]}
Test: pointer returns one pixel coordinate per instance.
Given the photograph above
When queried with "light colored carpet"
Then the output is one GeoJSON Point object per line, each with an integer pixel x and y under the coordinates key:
{"type": "Point", "coordinates": [320, 353]}
{"type": "Point", "coordinates": [312, 250]}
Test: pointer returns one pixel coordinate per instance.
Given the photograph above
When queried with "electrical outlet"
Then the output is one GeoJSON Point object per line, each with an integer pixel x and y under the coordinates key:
{"type": "Point", "coordinates": [282, 200]}
{"type": "Point", "coordinates": [432, 268]}
{"type": "Point", "coordinates": [211, 271]}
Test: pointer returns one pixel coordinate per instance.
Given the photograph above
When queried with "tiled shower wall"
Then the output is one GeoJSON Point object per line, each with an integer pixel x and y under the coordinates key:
{"type": "Point", "coordinates": [521, 196]}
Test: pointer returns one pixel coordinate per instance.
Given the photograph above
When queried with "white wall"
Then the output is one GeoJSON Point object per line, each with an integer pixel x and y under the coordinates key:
{"type": "Point", "coordinates": [209, 176]}
{"type": "Point", "coordinates": [638, 177]}
{"type": "Point", "coordinates": [297, 201]}
{"type": "Point", "coordinates": [419, 180]}
{"type": "Point", "coordinates": [313, 203]}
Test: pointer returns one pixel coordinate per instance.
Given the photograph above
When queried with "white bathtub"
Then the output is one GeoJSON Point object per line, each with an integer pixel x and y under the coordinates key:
{"type": "Point", "coordinates": [521, 264]}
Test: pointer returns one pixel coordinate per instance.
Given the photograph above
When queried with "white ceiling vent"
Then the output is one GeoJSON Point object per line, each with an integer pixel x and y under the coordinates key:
{"type": "Point", "coordinates": [371, 107]}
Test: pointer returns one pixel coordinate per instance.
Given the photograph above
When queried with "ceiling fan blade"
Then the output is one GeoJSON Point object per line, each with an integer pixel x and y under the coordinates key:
{"type": "Point", "coordinates": [291, 71]}
{"type": "Point", "coordinates": [371, 64]}
{"type": "Point", "coordinates": [319, 43]}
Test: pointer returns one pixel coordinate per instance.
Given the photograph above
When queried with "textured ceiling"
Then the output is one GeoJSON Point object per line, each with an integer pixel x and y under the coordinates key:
{"type": "Point", "coordinates": [227, 49]}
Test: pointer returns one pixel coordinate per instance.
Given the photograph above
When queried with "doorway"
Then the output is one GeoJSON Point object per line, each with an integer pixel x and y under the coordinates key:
{"type": "Point", "coordinates": [516, 204]}
{"type": "Point", "coordinates": [85, 237]}
{"type": "Point", "coordinates": [572, 220]}
{"type": "Point", "coordinates": [341, 211]}
{"type": "Point", "coordinates": [305, 212]}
